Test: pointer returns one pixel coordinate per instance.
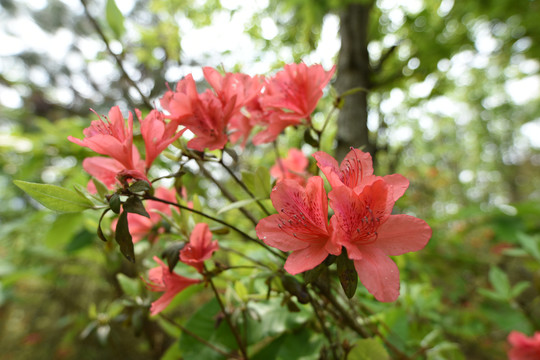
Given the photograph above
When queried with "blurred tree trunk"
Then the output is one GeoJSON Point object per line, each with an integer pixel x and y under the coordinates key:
{"type": "Point", "coordinates": [353, 71]}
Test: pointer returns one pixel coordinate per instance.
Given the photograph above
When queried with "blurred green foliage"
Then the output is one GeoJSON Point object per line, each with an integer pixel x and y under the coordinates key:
{"type": "Point", "coordinates": [445, 111]}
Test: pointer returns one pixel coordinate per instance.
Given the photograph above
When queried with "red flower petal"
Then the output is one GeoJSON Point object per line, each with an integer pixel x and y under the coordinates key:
{"type": "Point", "coordinates": [378, 273]}
{"type": "Point", "coordinates": [401, 234]}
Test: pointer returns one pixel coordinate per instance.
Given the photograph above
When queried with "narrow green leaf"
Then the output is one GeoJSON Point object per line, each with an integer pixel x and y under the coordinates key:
{"type": "Point", "coordinates": [101, 188]}
{"type": "Point", "coordinates": [123, 237]}
{"type": "Point", "coordinates": [530, 244]}
{"type": "Point", "coordinates": [115, 18]}
{"type": "Point", "coordinates": [236, 205]}
{"type": "Point", "coordinates": [55, 197]}
{"type": "Point", "coordinates": [519, 288]}
{"type": "Point", "coordinates": [262, 183]}
{"type": "Point", "coordinates": [368, 349]}
{"type": "Point", "coordinates": [347, 274]}
{"type": "Point", "coordinates": [241, 291]}
{"type": "Point", "coordinates": [499, 281]}
{"type": "Point", "coordinates": [135, 205]}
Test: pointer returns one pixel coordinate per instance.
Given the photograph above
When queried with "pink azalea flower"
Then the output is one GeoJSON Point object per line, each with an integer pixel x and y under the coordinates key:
{"type": "Point", "coordinates": [297, 88]}
{"type": "Point", "coordinates": [157, 134]}
{"type": "Point", "coordinates": [301, 225]}
{"type": "Point", "coordinates": [356, 170]}
{"type": "Point", "coordinates": [523, 347]}
{"type": "Point", "coordinates": [110, 137]}
{"type": "Point", "coordinates": [178, 103]}
{"type": "Point", "coordinates": [237, 87]}
{"type": "Point", "coordinates": [203, 114]}
{"type": "Point", "coordinates": [290, 96]}
{"type": "Point", "coordinates": [370, 233]}
{"type": "Point", "coordinates": [209, 122]}
{"type": "Point", "coordinates": [200, 247]}
{"type": "Point", "coordinates": [242, 122]}
{"type": "Point", "coordinates": [168, 282]}
{"type": "Point", "coordinates": [108, 170]}
{"type": "Point", "coordinates": [292, 167]}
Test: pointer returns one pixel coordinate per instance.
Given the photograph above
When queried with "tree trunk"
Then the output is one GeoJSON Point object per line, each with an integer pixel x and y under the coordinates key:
{"type": "Point", "coordinates": [353, 71]}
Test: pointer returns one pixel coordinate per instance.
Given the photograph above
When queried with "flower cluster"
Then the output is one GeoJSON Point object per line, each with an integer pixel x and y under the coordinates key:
{"type": "Point", "coordinates": [229, 111]}
{"type": "Point", "coordinates": [199, 248]}
{"type": "Point", "coordinates": [239, 102]}
{"type": "Point", "coordinates": [362, 223]}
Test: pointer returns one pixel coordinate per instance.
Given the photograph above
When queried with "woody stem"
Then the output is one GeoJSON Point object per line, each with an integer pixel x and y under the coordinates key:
{"type": "Point", "coordinates": [234, 330]}
{"type": "Point", "coordinates": [195, 336]}
{"type": "Point", "coordinates": [327, 334]}
{"type": "Point", "coordinates": [230, 226]}
{"type": "Point", "coordinates": [117, 58]}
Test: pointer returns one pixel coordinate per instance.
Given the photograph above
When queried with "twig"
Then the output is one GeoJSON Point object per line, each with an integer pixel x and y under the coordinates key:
{"type": "Point", "coordinates": [195, 336]}
{"type": "Point", "coordinates": [116, 57]}
{"type": "Point", "coordinates": [326, 332]}
{"type": "Point", "coordinates": [234, 330]}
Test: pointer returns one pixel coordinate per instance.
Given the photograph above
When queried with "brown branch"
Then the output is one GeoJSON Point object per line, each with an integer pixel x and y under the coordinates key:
{"type": "Point", "coordinates": [116, 57]}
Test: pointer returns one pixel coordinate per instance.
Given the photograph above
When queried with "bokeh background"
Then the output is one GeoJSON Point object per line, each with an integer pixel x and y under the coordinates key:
{"type": "Point", "coordinates": [450, 98]}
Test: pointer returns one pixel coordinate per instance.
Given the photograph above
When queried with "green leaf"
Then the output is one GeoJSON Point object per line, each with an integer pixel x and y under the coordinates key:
{"type": "Point", "coordinates": [123, 237]}
{"type": "Point", "coordinates": [101, 188]}
{"type": "Point", "coordinates": [499, 281]}
{"type": "Point", "coordinates": [172, 253]}
{"type": "Point", "coordinates": [205, 324]}
{"type": "Point", "coordinates": [236, 205]}
{"type": "Point", "coordinates": [130, 286]}
{"type": "Point", "coordinates": [81, 240]}
{"type": "Point", "coordinates": [347, 274]}
{"type": "Point", "coordinates": [368, 349]}
{"type": "Point", "coordinates": [115, 203]}
{"type": "Point", "coordinates": [115, 18]}
{"type": "Point", "coordinates": [241, 291]}
{"type": "Point", "coordinates": [258, 183]}
{"type": "Point", "coordinates": [519, 288]}
{"type": "Point", "coordinates": [140, 186]}
{"type": "Point", "coordinates": [62, 230]}
{"type": "Point", "coordinates": [530, 244]}
{"type": "Point", "coordinates": [55, 197]}
{"type": "Point", "coordinates": [134, 205]}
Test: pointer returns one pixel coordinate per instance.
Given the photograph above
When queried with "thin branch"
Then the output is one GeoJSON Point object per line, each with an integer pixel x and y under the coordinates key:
{"type": "Point", "coordinates": [351, 322]}
{"type": "Point", "coordinates": [232, 227]}
{"type": "Point", "coordinates": [241, 254]}
{"type": "Point", "coordinates": [116, 57]}
{"type": "Point", "coordinates": [234, 330]}
{"type": "Point", "coordinates": [195, 336]}
{"type": "Point", "coordinates": [326, 332]}
{"type": "Point", "coordinates": [385, 57]}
